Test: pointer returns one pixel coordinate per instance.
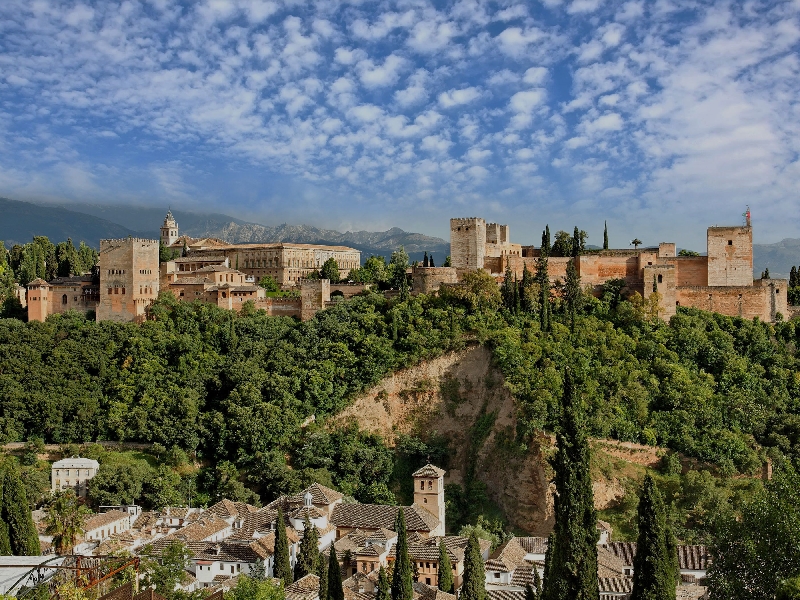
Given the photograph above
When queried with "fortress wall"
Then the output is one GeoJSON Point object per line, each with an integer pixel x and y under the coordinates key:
{"type": "Point", "coordinates": [280, 307]}
{"type": "Point", "coordinates": [557, 267]}
{"type": "Point", "coordinates": [429, 279]}
{"type": "Point", "coordinates": [596, 269]}
{"type": "Point", "coordinates": [691, 270]}
{"type": "Point", "coordinates": [735, 301]}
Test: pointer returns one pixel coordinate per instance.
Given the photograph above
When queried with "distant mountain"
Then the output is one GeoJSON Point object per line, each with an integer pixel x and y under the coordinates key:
{"type": "Point", "coordinates": [145, 222]}
{"type": "Point", "coordinates": [778, 257]}
{"type": "Point", "coordinates": [20, 221]}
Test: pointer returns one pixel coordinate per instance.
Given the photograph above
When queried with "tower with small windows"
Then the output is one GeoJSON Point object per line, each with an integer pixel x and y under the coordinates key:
{"type": "Point", "coordinates": [429, 493]}
{"type": "Point", "coordinates": [129, 279]}
{"type": "Point", "coordinates": [169, 230]}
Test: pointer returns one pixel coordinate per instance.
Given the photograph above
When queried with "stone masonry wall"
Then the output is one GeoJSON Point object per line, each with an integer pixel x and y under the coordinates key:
{"type": "Point", "coordinates": [730, 256]}
{"type": "Point", "coordinates": [129, 278]}
{"type": "Point", "coordinates": [467, 242]}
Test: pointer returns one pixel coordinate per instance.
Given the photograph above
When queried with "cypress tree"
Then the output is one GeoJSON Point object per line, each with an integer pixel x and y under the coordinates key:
{"type": "Point", "coordinates": [506, 290]}
{"type": "Point", "coordinates": [605, 235]}
{"type": "Point", "coordinates": [793, 277]}
{"type": "Point", "coordinates": [5, 540]}
{"type": "Point", "coordinates": [655, 568]}
{"type": "Point", "coordinates": [537, 584]}
{"type": "Point", "coordinates": [543, 279]}
{"type": "Point", "coordinates": [474, 585]}
{"type": "Point", "coordinates": [572, 292]}
{"type": "Point", "coordinates": [571, 561]}
{"type": "Point", "coordinates": [309, 551]}
{"type": "Point", "coordinates": [577, 246]}
{"type": "Point", "coordinates": [547, 245]}
{"type": "Point", "coordinates": [383, 591]}
{"type": "Point", "coordinates": [516, 295]}
{"type": "Point", "coordinates": [524, 301]}
{"type": "Point", "coordinates": [445, 574]}
{"type": "Point", "coordinates": [430, 261]}
{"type": "Point", "coordinates": [21, 530]}
{"type": "Point", "coordinates": [322, 573]}
{"type": "Point", "coordinates": [402, 577]}
{"type": "Point", "coordinates": [335, 590]}
{"type": "Point", "coordinates": [282, 569]}
{"type": "Point", "coordinates": [425, 260]}
{"type": "Point", "coordinates": [529, 593]}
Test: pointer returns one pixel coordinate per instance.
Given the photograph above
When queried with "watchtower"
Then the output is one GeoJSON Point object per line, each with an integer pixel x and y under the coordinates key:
{"type": "Point", "coordinates": [467, 243]}
{"type": "Point", "coordinates": [730, 256]}
{"type": "Point", "coordinates": [128, 278]}
{"type": "Point", "coordinates": [169, 230]}
{"type": "Point", "coordinates": [429, 492]}
{"type": "Point", "coordinates": [38, 300]}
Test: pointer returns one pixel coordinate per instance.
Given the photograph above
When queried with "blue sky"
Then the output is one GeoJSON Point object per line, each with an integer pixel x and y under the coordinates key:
{"type": "Point", "coordinates": [660, 116]}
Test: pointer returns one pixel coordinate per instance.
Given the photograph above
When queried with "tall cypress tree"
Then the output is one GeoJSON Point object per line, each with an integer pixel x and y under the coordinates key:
{"type": "Point", "coordinates": [283, 568]}
{"type": "Point", "coordinates": [383, 591]}
{"type": "Point", "coordinates": [309, 551]}
{"type": "Point", "coordinates": [335, 590]}
{"type": "Point", "coordinates": [402, 578]}
{"type": "Point", "coordinates": [547, 245]}
{"type": "Point", "coordinates": [474, 585]}
{"type": "Point", "coordinates": [577, 242]}
{"type": "Point", "coordinates": [793, 277]}
{"type": "Point", "coordinates": [506, 290]}
{"type": "Point", "coordinates": [571, 561]}
{"type": "Point", "coordinates": [445, 574]}
{"type": "Point", "coordinates": [524, 301]}
{"type": "Point", "coordinates": [543, 279]}
{"type": "Point", "coordinates": [322, 573]}
{"type": "Point", "coordinates": [605, 235]}
{"type": "Point", "coordinates": [5, 540]}
{"type": "Point", "coordinates": [655, 566]}
{"type": "Point", "coordinates": [537, 584]}
{"type": "Point", "coordinates": [572, 292]}
{"type": "Point", "coordinates": [425, 260]}
{"type": "Point", "coordinates": [21, 530]}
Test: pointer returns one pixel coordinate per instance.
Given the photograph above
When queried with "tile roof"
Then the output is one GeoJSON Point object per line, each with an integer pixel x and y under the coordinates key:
{"type": "Point", "coordinates": [533, 545]}
{"type": "Point", "coordinates": [608, 563]}
{"type": "Point", "coordinates": [690, 558]}
{"type": "Point", "coordinates": [506, 557]}
{"type": "Point", "coordinates": [198, 531]}
{"type": "Point", "coordinates": [352, 541]}
{"type": "Point", "coordinates": [321, 494]}
{"type": "Point", "coordinates": [505, 595]}
{"type": "Point", "coordinates": [103, 519]}
{"type": "Point", "coordinates": [523, 575]}
{"type": "Point", "coordinates": [123, 592]}
{"type": "Point", "coordinates": [305, 588]}
{"type": "Point", "coordinates": [300, 513]}
{"type": "Point", "coordinates": [423, 591]}
{"type": "Point", "coordinates": [377, 516]}
{"type": "Point", "coordinates": [429, 471]}
{"type": "Point", "coordinates": [615, 585]}
{"type": "Point", "coordinates": [149, 594]}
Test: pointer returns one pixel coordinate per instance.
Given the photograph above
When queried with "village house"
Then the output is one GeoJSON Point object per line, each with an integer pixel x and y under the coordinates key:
{"type": "Point", "coordinates": [102, 526]}
{"type": "Point", "coordinates": [74, 473]}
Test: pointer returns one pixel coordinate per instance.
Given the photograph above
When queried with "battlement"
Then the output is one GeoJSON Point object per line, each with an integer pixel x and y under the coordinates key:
{"type": "Point", "coordinates": [128, 240]}
{"type": "Point", "coordinates": [462, 221]}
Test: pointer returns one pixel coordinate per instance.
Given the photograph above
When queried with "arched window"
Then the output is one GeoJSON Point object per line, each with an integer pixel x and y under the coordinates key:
{"type": "Point", "coordinates": [64, 299]}
{"type": "Point", "coordinates": [660, 278]}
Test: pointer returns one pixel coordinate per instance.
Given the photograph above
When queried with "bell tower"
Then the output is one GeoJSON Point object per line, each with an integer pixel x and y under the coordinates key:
{"type": "Point", "coordinates": [169, 230]}
{"type": "Point", "coordinates": [429, 493]}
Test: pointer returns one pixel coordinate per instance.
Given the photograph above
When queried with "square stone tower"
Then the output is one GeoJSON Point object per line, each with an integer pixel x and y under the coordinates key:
{"type": "Point", "coordinates": [128, 278]}
{"type": "Point", "coordinates": [467, 243]}
{"type": "Point", "coordinates": [730, 256]}
{"type": "Point", "coordinates": [429, 493]}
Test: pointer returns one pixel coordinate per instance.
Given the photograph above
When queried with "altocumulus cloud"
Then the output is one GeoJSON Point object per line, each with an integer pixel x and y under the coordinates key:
{"type": "Point", "coordinates": [539, 108]}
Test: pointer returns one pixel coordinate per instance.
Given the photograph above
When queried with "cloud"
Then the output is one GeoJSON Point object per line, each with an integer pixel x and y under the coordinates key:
{"type": "Point", "coordinates": [522, 105]}
{"type": "Point", "coordinates": [453, 98]}
{"type": "Point", "coordinates": [427, 37]}
{"type": "Point", "coordinates": [583, 6]}
{"type": "Point", "coordinates": [388, 73]}
{"type": "Point", "coordinates": [514, 41]}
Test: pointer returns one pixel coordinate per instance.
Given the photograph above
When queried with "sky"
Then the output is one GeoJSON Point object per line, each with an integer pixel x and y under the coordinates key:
{"type": "Point", "coordinates": [661, 117]}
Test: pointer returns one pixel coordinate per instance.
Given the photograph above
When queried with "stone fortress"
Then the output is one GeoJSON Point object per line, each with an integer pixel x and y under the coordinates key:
{"type": "Point", "coordinates": [721, 282]}
{"type": "Point", "coordinates": [129, 276]}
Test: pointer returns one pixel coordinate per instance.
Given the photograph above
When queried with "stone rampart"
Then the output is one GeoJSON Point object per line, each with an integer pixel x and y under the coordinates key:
{"type": "Point", "coordinates": [428, 279]}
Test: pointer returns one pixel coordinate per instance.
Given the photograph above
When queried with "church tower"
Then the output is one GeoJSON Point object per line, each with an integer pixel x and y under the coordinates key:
{"type": "Point", "coordinates": [169, 230]}
{"type": "Point", "coordinates": [429, 492]}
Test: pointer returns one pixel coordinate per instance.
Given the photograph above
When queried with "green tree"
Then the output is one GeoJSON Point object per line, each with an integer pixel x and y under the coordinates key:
{"type": "Point", "coordinates": [636, 242]}
{"type": "Point", "coordinates": [445, 574]}
{"type": "Point", "coordinates": [398, 264]}
{"type": "Point", "coordinates": [282, 568]}
{"type": "Point", "coordinates": [789, 589]}
{"type": "Point", "coordinates": [335, 589]}
{"type": "Point", "coordinates": [269, 284]}
{"type": "Point", "coordinates": [563, 244]}
{"type": "Point", "coordinates": [384, 589]}
{"type": "Point", "coordinates": [250, 588]}
{"type": "Point", "coordinates": [474, 581]}
{"type": "Point", "coordinates": [754, 553]}
{"type": "Point", "coordinates": [402, 578]}
{"type": "Point", "coordinates": [655, 568]}
{"type": "Point", "coordinates": [543, 280]}
{"type": "Point", "coordinates": [546, 245]}
{"type": "Point", "coordinates": [330, 270]}
{"type": "Point", "coordinates": [571, 561]}
{"type": "Point", "coordinates": [793, 277]}
{"type": "Point", "coordinates": [508, 287]}
{"type": "Point", "coordinates": [572, 293]}
{"type": "Point", "coordinates": [65, 517]}
{"type": "Point", "coordinates": [322, 573]}
{"type": "Point", "coordinates": [447, 262]}
{"type": "Point", "coordinates": [685, 252]}
{"type": "Point", "coordinates": [119, 482]}
{"type": "Point", "coordinates": [605, 235]}
{"type": "Point", "coordinates": [16, 513]}
{"type": "Point", "coordinates": [579, 237]}
{"type": "Point", "coordinates": [309, 551]}
{"type": "Point", "coordinates": [166, 570]}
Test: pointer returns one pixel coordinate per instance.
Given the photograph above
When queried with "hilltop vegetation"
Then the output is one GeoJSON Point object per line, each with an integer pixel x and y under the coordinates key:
{"type": "Point", "coordinates": [238, 391]}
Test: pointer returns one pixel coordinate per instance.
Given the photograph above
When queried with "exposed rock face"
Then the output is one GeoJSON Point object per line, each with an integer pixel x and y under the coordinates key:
{"type": "Point", "coordinates": [446, 395]}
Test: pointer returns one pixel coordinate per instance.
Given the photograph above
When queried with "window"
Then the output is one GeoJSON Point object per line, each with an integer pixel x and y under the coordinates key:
{"type": "Point", "coordinates": [730, 242]}
{"type": "Point", "coordinates": [660, 278]}
{"type": "Point", "coordinates": [123, 291]}
{"type": "Point", "coordinates": [428, 580]}
{"type": "Point", "coordinates": [422, 486]}
{"type": "Point", "coordinates": [430, 485]}
{"type": "Point", "coordinates": [424, 500]}
{"type": "Point", "coordinates": [110, 291]}
{"type": "Point", "coordinates": [64, 299]}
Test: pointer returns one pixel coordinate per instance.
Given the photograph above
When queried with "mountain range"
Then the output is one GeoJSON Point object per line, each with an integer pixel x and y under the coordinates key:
{"type": "Point", "coordinates": [20, 221]}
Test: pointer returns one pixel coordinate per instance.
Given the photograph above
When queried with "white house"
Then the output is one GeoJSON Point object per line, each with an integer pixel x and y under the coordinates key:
{"type": "Point", "coordinates": [102, 526]}
{"type": "Point", "coordinates": [73, 473]}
